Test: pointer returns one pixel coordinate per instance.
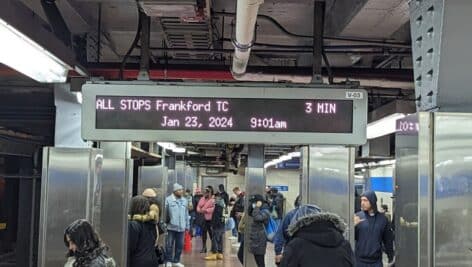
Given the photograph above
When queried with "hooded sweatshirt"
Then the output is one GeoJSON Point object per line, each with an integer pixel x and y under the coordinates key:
{"type": "Point", "coordinates": [317, 240]}
{"type": "Point", "coordinates": [370, 233]}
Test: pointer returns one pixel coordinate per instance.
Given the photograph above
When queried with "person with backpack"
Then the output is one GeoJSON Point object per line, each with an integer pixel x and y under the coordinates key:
{"type": "Point", "coordinates": [281, 237]}
{"type": "Point", "coordinates": [259, 211]}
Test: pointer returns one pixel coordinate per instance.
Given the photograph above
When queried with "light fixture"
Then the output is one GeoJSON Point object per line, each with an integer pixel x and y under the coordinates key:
{"type": "Point", "coordinates": [375, 164]}
{"type": "Point", "coordinates": [384, 126]}
{"type": "Point", "coordinates": [79, 97]}
{"type": "Point", "coordinates": [171, 146]}
{"type": "Point", "coordinates": [281, 159]}
{"type": "Point", "coordinates": [26, 56]}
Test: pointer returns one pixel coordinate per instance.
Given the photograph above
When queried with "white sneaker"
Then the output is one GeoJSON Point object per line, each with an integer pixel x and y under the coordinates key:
{"type": "Point", "coordinates": [232, 238]}
{"type": "Point", "coordinates": [178, 264]}
{"type": "Point", "coordinates": [169, 264]}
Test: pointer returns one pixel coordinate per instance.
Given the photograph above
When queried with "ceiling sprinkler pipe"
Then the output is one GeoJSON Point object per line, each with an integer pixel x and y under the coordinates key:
{"type": "Point", "coordinates": [246, 16]}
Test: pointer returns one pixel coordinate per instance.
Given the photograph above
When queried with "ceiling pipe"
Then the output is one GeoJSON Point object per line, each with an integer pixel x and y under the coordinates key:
{"type": "Point", "coordinates": [246, 16]}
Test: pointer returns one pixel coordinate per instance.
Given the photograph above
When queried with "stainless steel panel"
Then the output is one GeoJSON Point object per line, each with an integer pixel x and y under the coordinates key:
{"type": "Point", "coordinates": [116, 193]}
{"type": "Point", "coordinates": [406, 204]}
{"type": "Point", "coordinates": [191, 175]}
{"type": "Point", "coordinates": [171, 180]}
{"type": "Point", "coordinates": [425, 190]}
{"type": "Point", "coordinates": [70, 191]}
{"type": "Point", "coordinates": [452, 189]}
{"type": "Point", "coordinates": [328, 181]}
{"type": "Point", "coordinates": [180, 173]}
{"type": "Point", "coordinates": [214, 181]}
{"type": "Point", "coordinates": [153, 177]}
{"type": "Point", "coordinates": [255, 184]}
{"type": "Point", "coordinates": [68, 118]}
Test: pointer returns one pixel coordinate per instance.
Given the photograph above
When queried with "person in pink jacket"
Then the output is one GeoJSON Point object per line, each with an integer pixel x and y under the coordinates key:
{"type": "Point", "coordinates": [206, 206]}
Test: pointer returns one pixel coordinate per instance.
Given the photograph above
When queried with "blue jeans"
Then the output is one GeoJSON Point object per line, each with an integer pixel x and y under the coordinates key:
{"type": "Point", "coordinates": [235, 229]}
{"type": "Point", "coordinates": [174, 239]}
{"type": "Point", "coordinates": [217, 240]}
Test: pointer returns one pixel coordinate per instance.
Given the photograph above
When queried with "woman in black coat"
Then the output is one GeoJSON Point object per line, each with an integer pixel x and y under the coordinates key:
{"type": "Point", "coordinates": [317, 240]}
{"type": "Point", "coordinates": [259, 211]}
{"type": "Point", "coordinates": [142, 235]}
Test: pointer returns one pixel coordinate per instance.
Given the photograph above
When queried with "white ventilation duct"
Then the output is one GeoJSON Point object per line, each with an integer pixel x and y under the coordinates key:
{"type": "Point", "coordinates": [246, 16]}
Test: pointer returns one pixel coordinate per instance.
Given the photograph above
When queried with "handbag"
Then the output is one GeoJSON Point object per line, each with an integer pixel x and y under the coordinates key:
{"type": "Point", "coordinates": [271, 229]}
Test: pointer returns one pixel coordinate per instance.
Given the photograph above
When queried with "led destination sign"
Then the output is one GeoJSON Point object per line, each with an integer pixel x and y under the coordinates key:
{"type": "Point", "coordinates": [224, 114]}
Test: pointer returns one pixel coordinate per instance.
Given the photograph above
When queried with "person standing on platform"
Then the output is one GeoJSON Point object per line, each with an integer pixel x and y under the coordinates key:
{"type": "Point", "coordinates": [142, 234]}
{"type": "Point", "coordinates": [218, 229]}
{"type": "Point", "coordinates": [85, 247]}
{"type": "Point", "coordinates": [178, 223]}
{"type": "Point", "coordinates": [316, 240]}
{"type": "Point", "coordinates": [281, 236]}
{"type": "Point", "coordinates": [206, 206]}
{"type": "Point", "coordinates": [259, 211]}
{"type": "Point", "coordinates": [372, 230]}
{"type": "Point", "coordinates": [276, 204]}
{"type": "Point", "coordinates": [238, 209]}
{"type": "Point", "coordinates": [223, 194]}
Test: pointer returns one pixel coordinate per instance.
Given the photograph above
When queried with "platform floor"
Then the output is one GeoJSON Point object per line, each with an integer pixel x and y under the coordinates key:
{"type": "Point", "coordinates": [196, 259]}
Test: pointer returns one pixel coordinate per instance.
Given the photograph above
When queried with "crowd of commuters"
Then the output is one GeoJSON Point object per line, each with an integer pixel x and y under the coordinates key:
{"type": "Point", "coordinates": [306, 236]}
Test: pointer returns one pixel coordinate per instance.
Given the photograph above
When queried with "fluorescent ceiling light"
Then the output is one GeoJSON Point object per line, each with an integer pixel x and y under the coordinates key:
{"type": "Point", "coordinates": [384, 126]}
{"type": "Point", "coordinates": [179, 150]}
{"type": "Point", "coordinates": [171, 146]}
{"type": "Point", "coordinates": [295, 154]}
{"type": "Point", "coordinates": [24, 55]}
{"type": "Point", "coordinates": [281, 159]}
{"type": "Point", "coordinates": [79, 97]}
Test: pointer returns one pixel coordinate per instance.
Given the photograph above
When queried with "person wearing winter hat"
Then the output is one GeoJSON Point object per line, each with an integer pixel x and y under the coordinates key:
{"type": "Point", "coordinates": [316, 239]}
{"type": "Point", "coordinates": [372, 230]}
{"type": "Point", "coordinates": [178, 222]}
{"type": "Point", "coordinates": [259, 211]}
{"type": "Point", "coordinates": [151, 195]}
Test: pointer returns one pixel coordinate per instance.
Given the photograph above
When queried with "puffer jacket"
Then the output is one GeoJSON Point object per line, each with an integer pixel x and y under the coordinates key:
{"type": "Point", "coordinates": [100, 261]}
{"type": "Point", "coordinates": [257, 236]}
{"type": "Point", "coordinates": [317, 241]}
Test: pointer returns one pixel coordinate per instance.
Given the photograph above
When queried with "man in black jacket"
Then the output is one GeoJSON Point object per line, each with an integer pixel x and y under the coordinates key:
{"type": "Point", "coordinates": [372, 229]}
{"type": "Point", "coordinates": [238, 208]}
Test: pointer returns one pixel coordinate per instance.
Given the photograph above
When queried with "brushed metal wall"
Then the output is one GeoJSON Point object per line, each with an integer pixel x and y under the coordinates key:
{"type": "Point", "coordinates": [425, 190]}
{"type": "Point", "coordinates": [255, 184]}
{"type": "Point", "coordinates": [452, 164]}
{"type": "Point", "coordinates": [327, 180]}
{"type": "Point", "coordinates": [154, 177]}
{"type": "Point", "coordinates": [70, 190]}
{"type": "Point", "coordinates": [117, 181]}
{"type": "Point", "coordinates": [406, 201]}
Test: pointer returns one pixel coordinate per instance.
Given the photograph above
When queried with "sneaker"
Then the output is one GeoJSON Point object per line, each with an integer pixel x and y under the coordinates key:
{"type": "Point", "coordinates": [232, 238]}
{"type": "Point", "coordinates": [178, 264]}
{"type": "Point", "coordinates": [169, 264]}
